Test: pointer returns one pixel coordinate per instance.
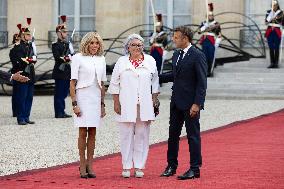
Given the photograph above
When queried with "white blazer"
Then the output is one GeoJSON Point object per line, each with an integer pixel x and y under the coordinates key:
{"type": "Point", "coordinates": [85, 69]}
{"type": "Point", "coordinates": [135, 86]}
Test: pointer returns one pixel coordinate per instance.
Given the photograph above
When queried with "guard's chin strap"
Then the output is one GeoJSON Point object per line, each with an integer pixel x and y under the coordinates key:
{"type": "Point", "coordinates": [25, 39]}
{"type": "Point", "coordinates": [61, 36]}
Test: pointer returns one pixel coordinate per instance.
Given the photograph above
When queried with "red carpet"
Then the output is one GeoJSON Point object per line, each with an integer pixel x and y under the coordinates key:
{"type": "Point", "coordinates": [246, 154]}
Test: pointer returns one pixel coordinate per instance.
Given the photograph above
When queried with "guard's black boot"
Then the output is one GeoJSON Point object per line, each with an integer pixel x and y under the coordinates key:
{"type": "Point", "coordinates": [276, 58]}
{"type": "Point", "coordinates": [272, 58]}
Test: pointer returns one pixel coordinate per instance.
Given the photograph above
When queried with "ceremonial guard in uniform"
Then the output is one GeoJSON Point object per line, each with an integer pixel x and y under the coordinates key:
{"type": "Point", "coordinates": [158, 42]}
{"type": "Point", "coordinates": [210, 30]}
{"type": "Point", "coordinates": [16, 42]}
{"type": "Point", "coordinates": [25, 58]}
{"type": "Point", "coordinates": [62, 52]}
{"type": "Point", "coordinates": [274, 20]}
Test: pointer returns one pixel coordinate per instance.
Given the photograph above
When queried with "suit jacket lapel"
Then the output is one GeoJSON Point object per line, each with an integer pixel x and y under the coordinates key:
{"type": "Point", "coordinates": [184, 60]}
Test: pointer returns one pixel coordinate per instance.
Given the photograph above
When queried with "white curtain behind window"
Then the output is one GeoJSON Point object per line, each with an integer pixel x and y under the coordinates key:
{"type": "Point", "coordinates": [67, 7]}
{"type": "Point", "coordinates": [181, 12]}
{"type": "Point", "coordinates": [161, 7]}
{"type": "Point", "coordinates": [175, 12]}
{"type": "Point", "coordinates": [87, 15]}
{"type": "Point", "coordinates": [3, 15]}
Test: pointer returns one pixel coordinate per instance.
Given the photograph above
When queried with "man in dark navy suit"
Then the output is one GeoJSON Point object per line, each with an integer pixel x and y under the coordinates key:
{"type": "Point", "coordinates": [188, 96]}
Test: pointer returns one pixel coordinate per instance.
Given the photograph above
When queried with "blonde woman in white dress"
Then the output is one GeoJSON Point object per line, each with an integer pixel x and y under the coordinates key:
{"type": "Point", "coordinates": [135, 86]}
{"type": "Point", "coordinates": [87, 91]}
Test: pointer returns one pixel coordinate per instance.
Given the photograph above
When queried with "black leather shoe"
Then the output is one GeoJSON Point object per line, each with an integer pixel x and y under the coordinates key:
{"type": "Point", "coordinates": [169, 171]}
{"type": "Point", "coordinates": [67, 116]}
{"type": "Point", "coordinates": [30, 122]}
{"type": "Point", "coordinates": [190, 174]}
{"type": "Point", "coordinates": [63, 116]}
{"type": "Point", "coordinates": [271, 66]}
{"type": "Point", "coordinates": [22, 123]}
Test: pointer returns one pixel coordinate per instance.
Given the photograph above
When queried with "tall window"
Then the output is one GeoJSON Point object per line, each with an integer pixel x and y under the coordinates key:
{"type": "Point", "coordinates": [257, 13]}
{"type": "Point", "coordinates": [175, 12]}
{"type": "Point", "coordinates": [67, 7]}
{"type": "Point", "coordinates": [87, 14]}
{"type": "Point", "coordinates": [181, 12]}
{"type": "Point", "coordinates": [3, 15]}
{"type": "Point", "coordinates": [80, 13]}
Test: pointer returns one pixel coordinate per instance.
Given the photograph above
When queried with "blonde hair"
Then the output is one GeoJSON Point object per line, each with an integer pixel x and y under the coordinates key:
{"type": "Point", "coordinates": [86, 40]}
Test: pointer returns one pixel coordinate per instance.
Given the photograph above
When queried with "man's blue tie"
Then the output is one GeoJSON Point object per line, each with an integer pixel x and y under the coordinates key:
{"type": "Point", "coordinates": [180, 57]}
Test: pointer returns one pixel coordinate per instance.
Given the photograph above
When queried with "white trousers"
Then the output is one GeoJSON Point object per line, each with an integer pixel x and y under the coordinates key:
{"type": "Point", "coordinates": [134, 143]}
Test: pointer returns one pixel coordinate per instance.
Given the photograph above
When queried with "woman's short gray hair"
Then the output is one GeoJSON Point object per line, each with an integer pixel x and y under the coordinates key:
{"type": "Point", "coordinates": [129, 39]}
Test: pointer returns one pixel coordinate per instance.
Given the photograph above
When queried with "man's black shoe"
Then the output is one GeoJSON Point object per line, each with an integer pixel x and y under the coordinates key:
{"type": "Point", "coordinates": [190, 174]}
{"type": "Point", "coordinates": [67, 116]}
{"type": "Point", "coordinates": [30, 122]}
{"type": "Point", "coordinates": [22, 123]}
{"type": "Point", "coordinates": [63, 116]}
{"type": "Point", "coordinates": [271, 66]}
{"type": "Point", "coordinates": [169, 171]}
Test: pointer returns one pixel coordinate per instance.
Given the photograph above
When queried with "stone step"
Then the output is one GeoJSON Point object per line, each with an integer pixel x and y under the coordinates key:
{"type": "Point", "coordinates": [251, 86]}
{"type": "Point", "coordinates": [245, 80]}
{"type": "Point", "coordinates": [246, 70]}
{"type": "Point", "coordinates": [243, 85]}
{"type": "Point", "coordinates": [231, 96]}
{"type": "Point", "coordinates": [256, 63]}
{"type": "Point", "coordinates": [230, 76]}
{"type": "Point", "coordinates": [248, 91]}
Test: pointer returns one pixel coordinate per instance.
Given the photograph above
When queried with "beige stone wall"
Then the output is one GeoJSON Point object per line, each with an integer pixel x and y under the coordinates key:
{"type": "Point", "coordinates": [116, 16]}
{"type": "Point", "coordinates": [41, 12]}
{"type": "Point", "coordinates": [113, 17]}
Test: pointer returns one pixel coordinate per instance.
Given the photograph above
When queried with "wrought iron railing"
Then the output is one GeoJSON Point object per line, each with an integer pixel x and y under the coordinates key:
{"type": "Point", "coordinates": [249, 38]}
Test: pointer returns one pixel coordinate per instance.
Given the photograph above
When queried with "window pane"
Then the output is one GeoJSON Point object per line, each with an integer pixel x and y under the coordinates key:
{"type": "Point", "coordinates": [182, 6]}
{"type": "Point", "coordinates": [160, 6]}
{"type": "Point", "coordinates": [66, 7]}
{"type": "Point", "coordinates": [87, 24]}
{"type": "Point", "coordinates": [87, 7]}
{"type": "Point", "coordinates": [3, 24]}
{"type": "Point", "coordinates": [181, 20]}
{"type": "Point", "coordinates": [3, 7]}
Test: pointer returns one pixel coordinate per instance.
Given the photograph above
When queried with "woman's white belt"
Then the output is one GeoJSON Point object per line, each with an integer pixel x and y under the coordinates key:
{"type": "Point", "coordinates": [274, 25]}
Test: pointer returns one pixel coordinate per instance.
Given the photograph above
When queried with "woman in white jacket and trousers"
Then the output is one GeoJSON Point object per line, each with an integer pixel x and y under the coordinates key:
{"type": "Point", "coordinates": [134, 85]}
